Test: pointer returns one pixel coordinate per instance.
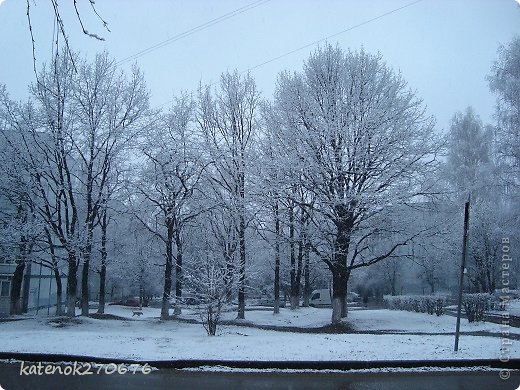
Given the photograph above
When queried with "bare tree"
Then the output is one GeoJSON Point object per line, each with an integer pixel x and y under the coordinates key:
{"type": "Point", "coordinates": [471, 169]}
{"type": "Point", "coordinates": [206, 279]}
{"type": "Point", "coordinates": [363, 144]}
{"type": "Point", "coordinates": [82, 122]}
{"type": "Point", "coordinates": [60, 30]}
{"type": "Point", "coordinates": [110, 111]}
{"type": "Point", "coordinates": [167, 185]}
{"type": "Point", "coordinates": [228, 120]}
{"type": "Point", "coordinates": [41, 140]}
{"type": "Point", "coordinates": [504, 81]}
{"type": "Point", "coordinates": [19, 226]}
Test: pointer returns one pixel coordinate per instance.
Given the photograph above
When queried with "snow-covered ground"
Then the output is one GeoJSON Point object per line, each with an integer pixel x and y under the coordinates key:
{"type": "Point", "coordinates": [513, 308]}
{"type": "Point", "coordinates": [404, 321]}
{"type": "Point", "coordinates": [365, 320]}
{"type": "Point", "coordinates": [147, 338]}
{"type": "Point", "coordinates": [358, 320]}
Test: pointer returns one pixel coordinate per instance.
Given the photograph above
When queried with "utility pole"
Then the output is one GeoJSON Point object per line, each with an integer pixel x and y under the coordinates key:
{"type": "Point", "coordinates": [462, 269]}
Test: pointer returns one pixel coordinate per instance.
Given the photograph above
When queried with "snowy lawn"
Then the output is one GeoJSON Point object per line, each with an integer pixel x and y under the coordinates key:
{"type": "Point", "coordinates": [404, 321]}
{"type": "Point", "coordinates": [147, 338]}
{"type": "Point", "coordinates": [364, 320]}
{"type": "Point", "coordinates": [513, 307]}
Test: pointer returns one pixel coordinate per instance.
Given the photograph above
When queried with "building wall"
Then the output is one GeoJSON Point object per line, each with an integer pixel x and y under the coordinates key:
{"type": "Point", "coordinates": [42, 288]}
{"type": "Point", "coordinates": [6, 273]}
{"type": "Point", "coordinates": [4, 306]}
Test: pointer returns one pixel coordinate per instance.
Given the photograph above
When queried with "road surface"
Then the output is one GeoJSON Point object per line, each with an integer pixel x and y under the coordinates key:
{"type": "Point", "coordinates": [10, 379]}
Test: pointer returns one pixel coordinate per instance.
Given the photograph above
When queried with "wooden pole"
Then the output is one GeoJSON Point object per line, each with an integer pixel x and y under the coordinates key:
{"type": "Point", "coordinates": [462, 269]}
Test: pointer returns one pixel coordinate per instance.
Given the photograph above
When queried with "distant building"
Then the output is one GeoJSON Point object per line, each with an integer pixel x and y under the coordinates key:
{"type": "Point", "coordinates": [6, 274]}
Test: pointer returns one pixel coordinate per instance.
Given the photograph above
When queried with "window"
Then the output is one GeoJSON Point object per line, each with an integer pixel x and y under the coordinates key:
{"type": "Point", "coordinates": [5, 287]}
{"type": "Point", "coordinates": [316, 296]}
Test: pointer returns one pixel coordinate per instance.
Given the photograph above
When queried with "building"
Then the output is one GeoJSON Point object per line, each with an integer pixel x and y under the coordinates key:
{"type": "Point", "coordinates": [6, 274]}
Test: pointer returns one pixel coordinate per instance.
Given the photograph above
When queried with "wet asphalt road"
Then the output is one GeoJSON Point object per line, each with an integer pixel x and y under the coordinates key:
{"type": "Point", "coordinates": [10, 379]}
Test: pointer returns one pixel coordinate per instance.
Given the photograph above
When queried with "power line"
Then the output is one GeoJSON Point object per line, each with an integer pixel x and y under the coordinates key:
{"type": "Point", "coordinates": [319, 41]}
{"type": "Point", "coordinates": [194, 30]}
{"type": "Point", "coordinates": [331, 36]}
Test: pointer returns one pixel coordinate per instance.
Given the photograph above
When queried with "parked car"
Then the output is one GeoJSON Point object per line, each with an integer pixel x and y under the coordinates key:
{"type": "Point", "coordinates": [353, 297]}
{"type": "Point", "coordinates": [323, 298]}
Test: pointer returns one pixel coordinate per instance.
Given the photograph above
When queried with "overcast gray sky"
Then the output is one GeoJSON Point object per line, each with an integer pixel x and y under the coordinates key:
{"type": "Point", "coordinates": [444, 48]}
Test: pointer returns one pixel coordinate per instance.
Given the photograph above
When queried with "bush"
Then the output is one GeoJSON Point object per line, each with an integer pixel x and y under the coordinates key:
{"type": "Point", "coordinates": [431, 304]}
{"type": "Point", "coordinates": [475, 305]}
{"type": "Point", "coordinates": [440, 304]}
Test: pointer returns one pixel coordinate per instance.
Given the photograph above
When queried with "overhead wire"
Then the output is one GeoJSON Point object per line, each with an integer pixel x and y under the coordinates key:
{"type": "Point", "coordinates": [194, 30]}
{"type": "Point", "coordinates": [331, 36]}
{"type": "Point", "coordinates": [314, 43]}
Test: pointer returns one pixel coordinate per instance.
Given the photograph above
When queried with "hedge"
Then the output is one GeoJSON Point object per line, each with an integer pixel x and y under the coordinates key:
{"type": "Point", "coordinates": [431, 304]}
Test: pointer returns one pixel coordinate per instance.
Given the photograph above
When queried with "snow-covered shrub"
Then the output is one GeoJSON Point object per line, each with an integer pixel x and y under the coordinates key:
{"type": "Point", "coordinates": [206, 282]}
{"type": "Point", "coordinates": [417, 305]}
{"type": "Point", "coordinates": [475, 305]}
{"type": "Point", "coordinates": [392, 302]}
{"type": "Point", "coordinates": [440, 304]}
{"type": "Point", "coordinates": [431, 304]}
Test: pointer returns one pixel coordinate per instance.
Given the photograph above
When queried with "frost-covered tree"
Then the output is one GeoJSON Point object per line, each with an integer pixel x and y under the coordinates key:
{"type": "Point", "coordinates": [40, 136]}
{"type": "Point", "coordinates": [469, 163]}
{"type": "Point", "coordinates": [207, 275]}
{"type": "Point", "coordinates": [288, 223]}
{"type": "Point", "coordinates": [109, 111]}
{"type": "Point", "coordinates": [504, 81]}
{"type": "Point", "coordinates": [362, 144]}
{"type": "Point", "coordinates": [470, 170]}
{"type": "Point", "coordinates": [228, 119]}
{"type": "Point", "coordinates": [79, 120]}
{"type": "Point", "coordinates": [19, 228]}
{"type": "Point", "coordinates": [167, 185]}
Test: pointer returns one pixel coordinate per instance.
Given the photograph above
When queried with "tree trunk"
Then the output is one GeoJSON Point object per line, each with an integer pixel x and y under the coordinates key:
{"type": "Point", "coordinates": [72, 285]}
{"type": "Point", "coordinates": [16, 288]}
{"type": "Point", "coordinates": [20, 301]}
{"type": "Point", "coordinates": [344, 306]}
{"type": "Point", "coordinates": [26, 287]}
{"type": "Point", "coordinates": [84, 287]}
{"type": "Point", "coordinates": [242, 269]}
{"type": "Point", "coordinates": [340, 274]}
{"type": "Point", "coordinates": [294, 291]}
{"type": "Point", "coordinates": [307, 281]}
{"type": "Point", "coordinates": [229, 277]}
{"type": "Point", "coordinates": [165, 307]}
{"type": "Point", "coordinates": [296, 287]}
{"type": "Point", "coordinates": [59, 291]}
{"type": "Point", "coordinates": [102, 287]}
{"type": "Point", "coordinates": [86, 253]}
{"type": "Point", "coordinates": [103, 270]}
{"type": "Point", "coordinates": [178, 273]}
{"type": "Point", "coordinates": [57, 276]}
{"type": "Point", "coordinates": [276, 259]}
{"type": "Point", "coordinates": [339, 292]}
